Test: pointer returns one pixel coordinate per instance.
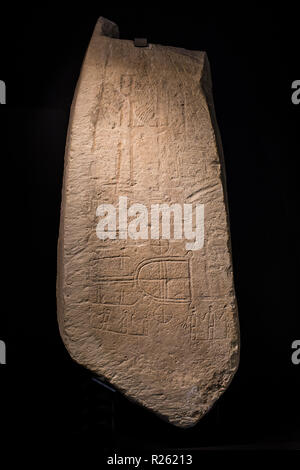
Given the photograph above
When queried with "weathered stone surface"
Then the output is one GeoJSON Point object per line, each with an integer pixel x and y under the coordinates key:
{"type": "Point", "coordinates": [158, 321]}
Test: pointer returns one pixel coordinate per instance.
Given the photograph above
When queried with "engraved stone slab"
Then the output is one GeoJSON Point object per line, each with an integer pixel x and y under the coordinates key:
{"type": "Point", "coordinates": [154, 318]}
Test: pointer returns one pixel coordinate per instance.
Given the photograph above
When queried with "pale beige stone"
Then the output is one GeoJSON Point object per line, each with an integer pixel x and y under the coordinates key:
{"type": "Point", "coordinates": [157, 321]}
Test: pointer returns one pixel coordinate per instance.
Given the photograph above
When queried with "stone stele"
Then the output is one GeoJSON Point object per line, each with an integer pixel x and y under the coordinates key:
{"type": "Point", "coordinates": [155, 320]}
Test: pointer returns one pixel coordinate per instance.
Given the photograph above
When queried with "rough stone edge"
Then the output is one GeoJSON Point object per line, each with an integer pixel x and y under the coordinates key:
{"type": "Point", "coordinates": [206, 85]}
{"type": "Point", "coordinates": [105, 27]}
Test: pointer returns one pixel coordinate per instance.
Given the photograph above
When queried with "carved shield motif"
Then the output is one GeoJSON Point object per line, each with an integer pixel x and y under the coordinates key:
{"type": "Point", "coordinates": [153, 316]}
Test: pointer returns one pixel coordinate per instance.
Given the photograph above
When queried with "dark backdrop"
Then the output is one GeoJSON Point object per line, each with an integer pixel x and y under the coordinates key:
{"type": "Point", "coordinates": [254, 58]}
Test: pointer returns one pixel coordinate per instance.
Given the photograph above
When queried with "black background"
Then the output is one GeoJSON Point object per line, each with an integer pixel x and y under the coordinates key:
{"type": "Point", "coordinates": [254, 59]}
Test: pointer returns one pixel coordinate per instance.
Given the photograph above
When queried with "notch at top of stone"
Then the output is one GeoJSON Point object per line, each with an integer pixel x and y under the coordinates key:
{"type": "Point", "coordinates": [140, 42]}
{"type": "Point", "coordinates": [105, 27]}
